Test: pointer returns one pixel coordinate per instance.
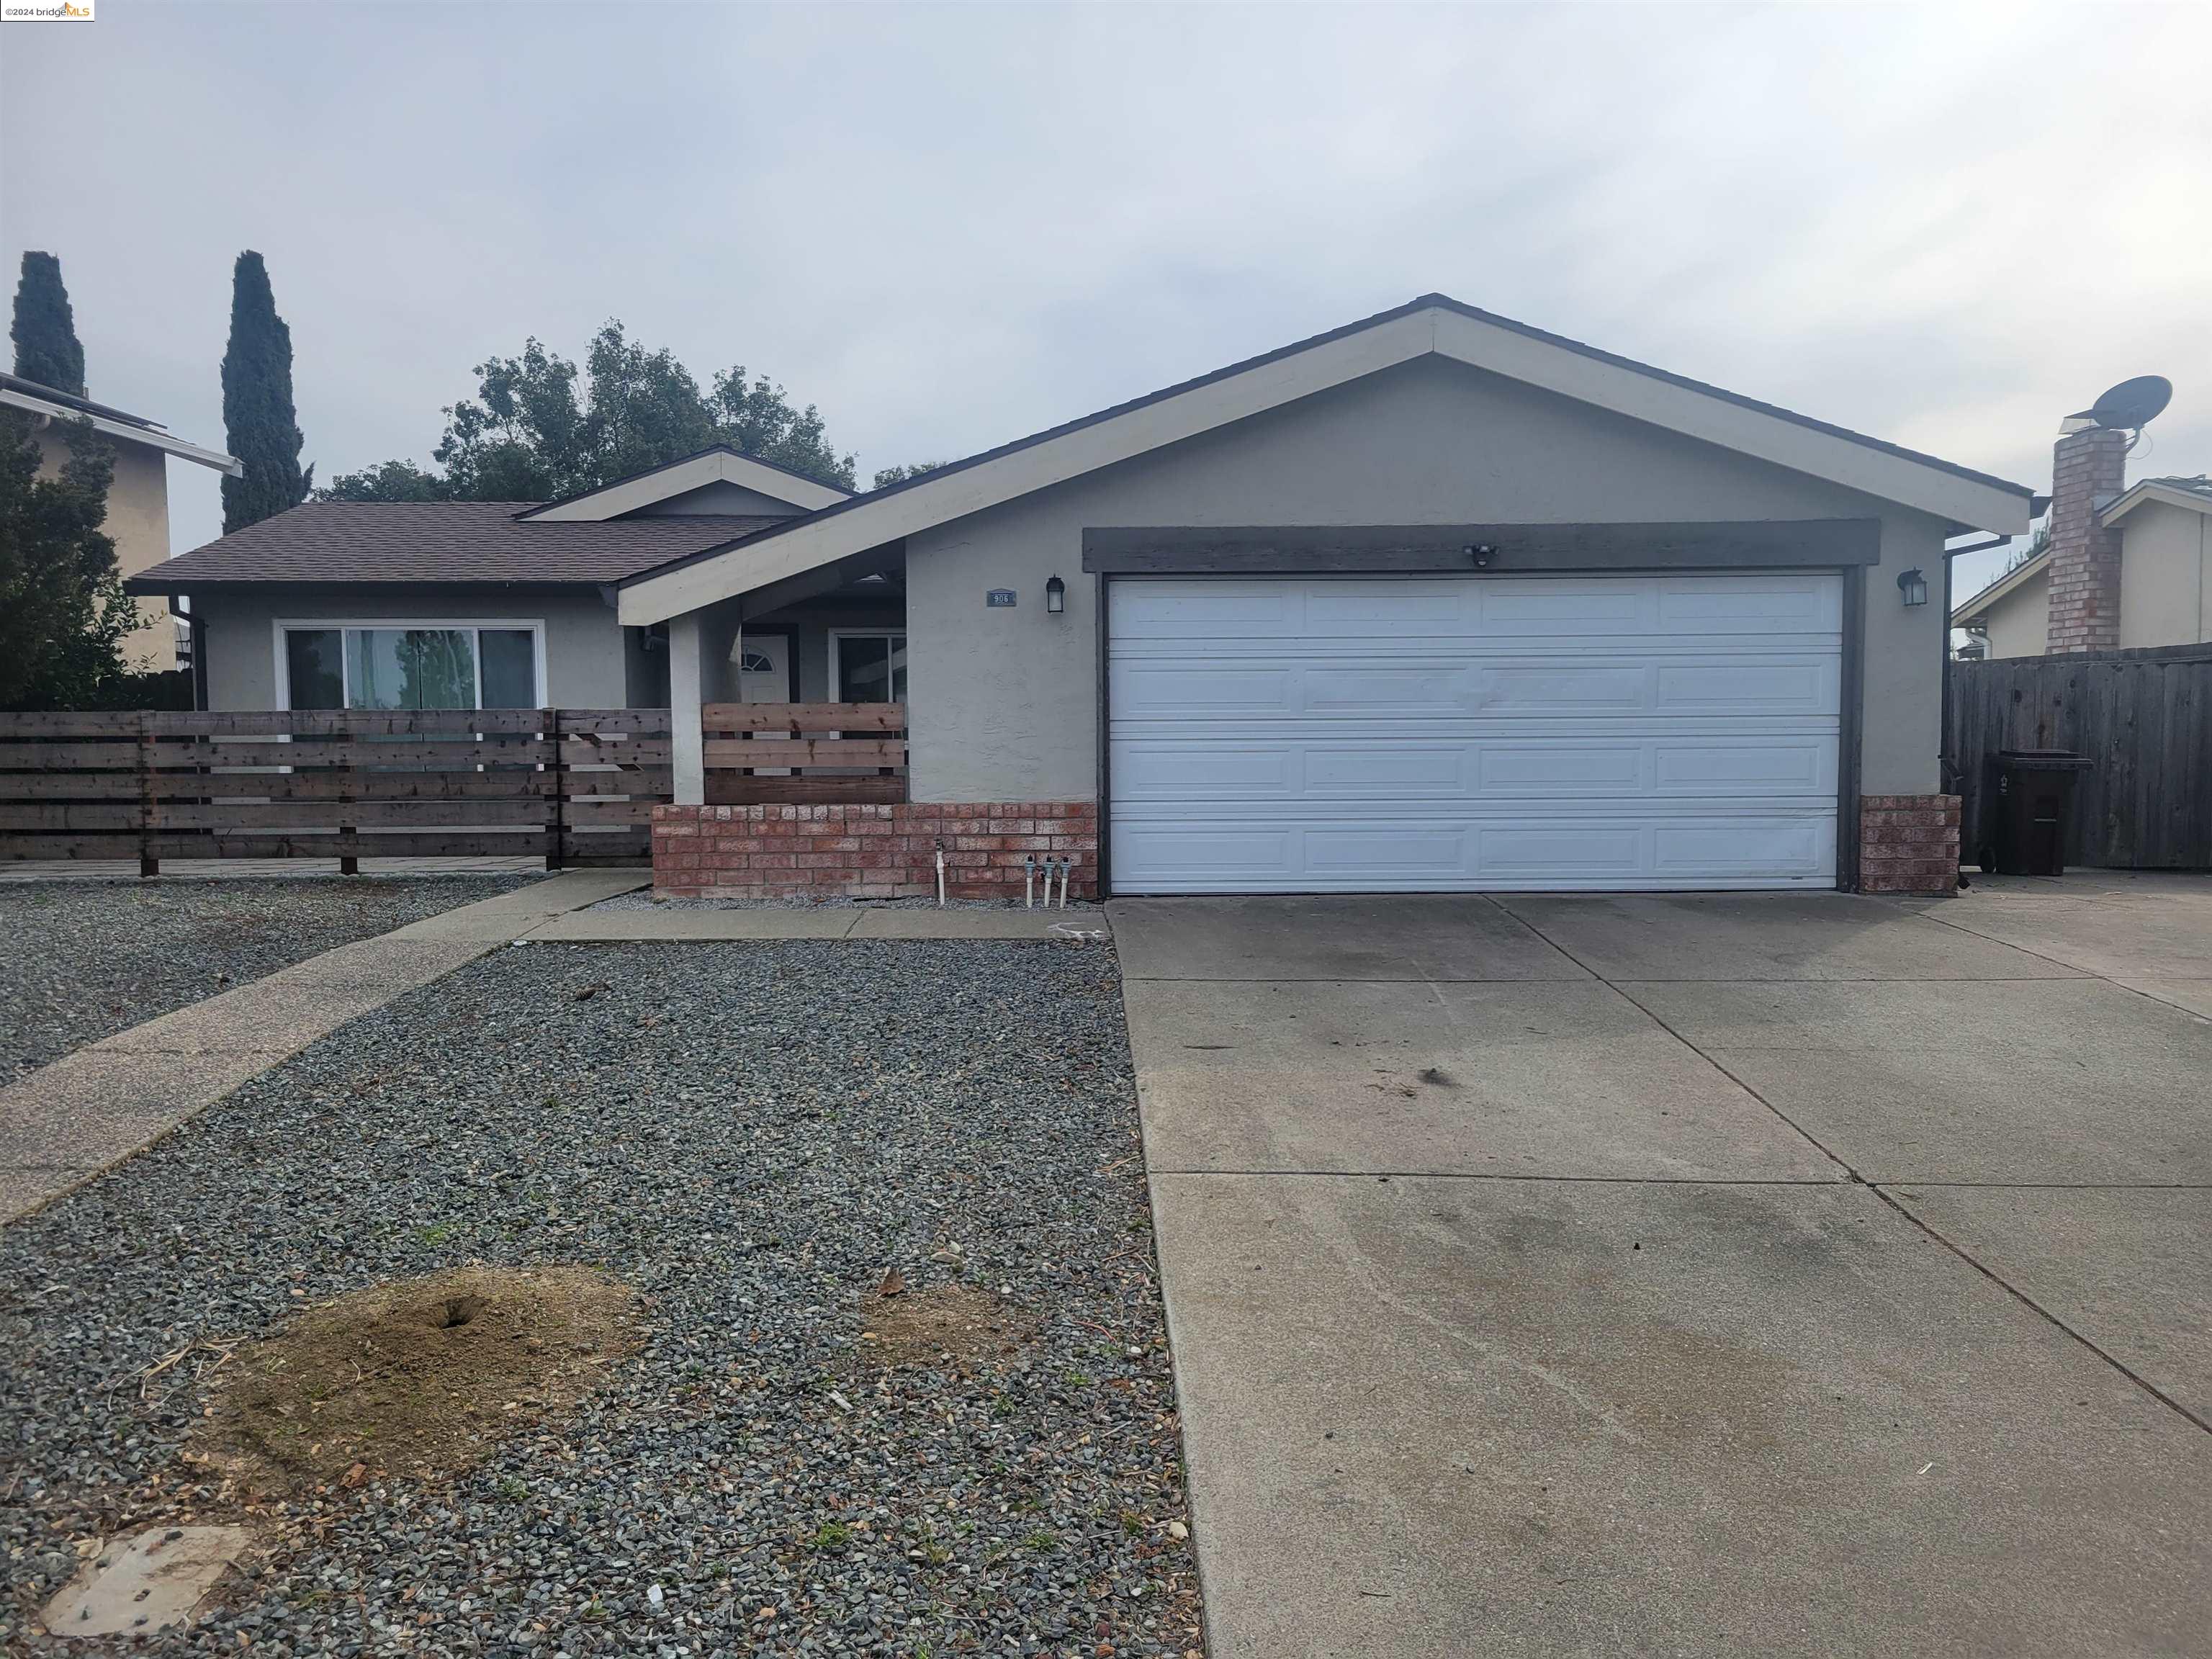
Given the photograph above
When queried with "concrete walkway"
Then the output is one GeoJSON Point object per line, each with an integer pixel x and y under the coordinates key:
{"type": "Point", "coordinates": [1779, 1274]}
{"type": "Point", "coordinates": [87, 1111]}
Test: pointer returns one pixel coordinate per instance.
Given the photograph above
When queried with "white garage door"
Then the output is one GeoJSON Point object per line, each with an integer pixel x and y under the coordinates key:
{"type": "Point", "coordinates": [1309, 735]}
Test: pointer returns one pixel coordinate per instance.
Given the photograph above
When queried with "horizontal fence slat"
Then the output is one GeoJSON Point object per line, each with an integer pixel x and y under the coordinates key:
{"type": "Point", "coordinates": [330, 815]}
{"type": "Point", "coordinates": [805, 751]}
{"type": "Point", "coordinates": [69, 786]}
{"type": "Point", "coordinates": [741, 789]}
{"type": "Point", "coordinates": [68, 756]}
{"type": "Point", "coordinates": [638, 752]}
{"type": "Point", "coordinates": [505, 783]}
{"type": "Point", "coordinates": [48, 817]}
{"type": "Point", "coordinates": [609, 811]}
{"type": "Point", "coordinates": [124, 725]}
{"type": "Point", "coordinates": [15, 847]}
{"type": "Point", "coordinates": [652, 782]}
{"type": "Point", "coordinates": [803, 717]}
{"type": "Point", "coordinates": [646, 723]}
{"type": "Point", "coordinates": [382, 844]}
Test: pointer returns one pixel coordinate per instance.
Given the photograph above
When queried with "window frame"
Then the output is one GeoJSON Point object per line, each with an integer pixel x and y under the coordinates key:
{"type": "Point", "coordinates": [535, 626]}
{"type": "Point", "coordinates": [839, 634]}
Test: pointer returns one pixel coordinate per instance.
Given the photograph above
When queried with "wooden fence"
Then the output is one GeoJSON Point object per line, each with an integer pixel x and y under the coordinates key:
{"type": "Point", "coordinates": [575, 786]}
{"type": "Point", "coordinates": [817, 752]}
{"type": "Point", "coordinates": [2144, 718]}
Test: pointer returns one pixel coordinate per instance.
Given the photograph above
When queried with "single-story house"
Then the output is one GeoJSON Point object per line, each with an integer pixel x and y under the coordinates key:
{"type": "Point", "coordinates": [137, 494]}
{"type": "Point", "coordinates": [1435, 601]}
{"type": "Point", "coordinates": [2137, 561]}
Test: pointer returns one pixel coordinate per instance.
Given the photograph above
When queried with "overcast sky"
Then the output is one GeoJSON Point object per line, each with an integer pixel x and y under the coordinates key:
{"type": "Point", "coordinates": [949, 226]}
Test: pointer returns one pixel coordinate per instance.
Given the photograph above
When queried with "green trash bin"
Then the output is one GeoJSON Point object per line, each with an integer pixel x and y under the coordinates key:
{"type": "Point", "coordinates": [2024, 806]}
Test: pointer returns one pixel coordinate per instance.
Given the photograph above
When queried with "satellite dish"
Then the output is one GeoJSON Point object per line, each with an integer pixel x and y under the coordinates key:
{"type": "Point", "coordinates": [2133, 404]}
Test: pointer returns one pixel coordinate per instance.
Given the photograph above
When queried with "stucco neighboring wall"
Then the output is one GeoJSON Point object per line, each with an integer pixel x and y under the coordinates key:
{"type": "Point", "coordinates": [2019, 624]}
{"type": "Point", "coordinates": [2166, 576]}
{"type": "Point", "coordinates": [585, 658]}
{"type": "Point", "coordinates": [138, 519]}
{"type": "Point", "coordinates": [1004, 701]}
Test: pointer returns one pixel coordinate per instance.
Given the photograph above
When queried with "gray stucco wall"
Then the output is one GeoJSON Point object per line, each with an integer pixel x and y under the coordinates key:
{"type": "Point", "coordinates": [1004, 701]}
{"type": "Point", "coordinates": [585, 651]}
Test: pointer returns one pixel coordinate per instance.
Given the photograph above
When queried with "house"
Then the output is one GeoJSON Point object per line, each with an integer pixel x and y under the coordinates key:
{"type": "Point", "coordinates": [493, 605]}
{"type": "Point", "coordinates": [1435, 601]}
{"type": "Point", "coordinates": [138, 498]}
{"type": "Point", "coordinates": [2126, 565]}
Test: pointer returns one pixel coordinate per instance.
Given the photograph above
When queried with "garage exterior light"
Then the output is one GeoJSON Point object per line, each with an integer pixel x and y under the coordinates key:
{"type": "Point", "coordinates": [1914, 587]}
{"type": "Point", "coordinates": [1055, 597]}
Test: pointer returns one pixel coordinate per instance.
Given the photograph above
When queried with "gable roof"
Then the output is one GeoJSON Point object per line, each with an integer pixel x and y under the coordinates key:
{"type": "Point", "coordinates": [2194, 494]}
{"type": "Point", "coordinates": [1434, 324]}
{"type": "Point", "coordinates": [2013, 579]}
{"type": "Point", "coordinates": [717, 463]}
{"type": "Point", "coordinates": [398, 541]}
{"type": "Point", "coordinates": [17, 392]}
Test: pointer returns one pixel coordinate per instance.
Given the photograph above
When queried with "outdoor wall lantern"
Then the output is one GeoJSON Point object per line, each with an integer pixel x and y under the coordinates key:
{"type": "Point", "coordinates": [1914, 587]}
{"type": "Point", "coordinates": [1055, 597]}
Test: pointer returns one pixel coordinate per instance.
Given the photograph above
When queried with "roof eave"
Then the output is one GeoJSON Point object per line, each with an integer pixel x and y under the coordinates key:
{"type": "Point", "coordinates": [2152, 489]}
{"type": "Point", "coordinates": [151, 437]}
{"type": "Point", "coordinates": [1433, 324]}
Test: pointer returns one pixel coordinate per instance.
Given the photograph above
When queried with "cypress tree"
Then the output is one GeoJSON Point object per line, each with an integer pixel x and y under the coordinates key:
{"type": "Point", "coordinates": [257, 416]}
{"type": "Point", "coordinates": [45, 331]}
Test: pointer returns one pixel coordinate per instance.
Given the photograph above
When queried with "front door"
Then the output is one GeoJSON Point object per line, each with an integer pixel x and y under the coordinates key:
{"type": "Point", "coordinates": [763, 663]}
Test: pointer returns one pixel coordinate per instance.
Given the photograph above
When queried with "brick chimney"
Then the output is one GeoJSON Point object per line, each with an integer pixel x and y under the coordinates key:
{"type": "Point", "coordinates": [2088, 467]}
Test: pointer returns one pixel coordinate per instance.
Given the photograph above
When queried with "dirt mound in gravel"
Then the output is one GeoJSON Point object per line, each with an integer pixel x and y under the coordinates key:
{"type": "Point", "coordinates": [417, 1378]}
{"type": "Point", "coordinates": [939, 1323]}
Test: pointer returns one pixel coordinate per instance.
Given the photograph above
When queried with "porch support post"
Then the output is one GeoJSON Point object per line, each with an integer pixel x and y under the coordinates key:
{"type": "Point", "coordinates": [685, 698]}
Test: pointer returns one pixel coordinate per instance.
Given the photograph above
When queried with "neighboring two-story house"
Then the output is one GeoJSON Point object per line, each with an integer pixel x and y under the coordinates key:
{"type": "Point", "coordinates": [2127, 566]}
{"type": "Point", "coordinates": [137, 499]}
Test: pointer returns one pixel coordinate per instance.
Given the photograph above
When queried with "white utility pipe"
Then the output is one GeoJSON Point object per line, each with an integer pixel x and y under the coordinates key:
{"type": "Point", "coordinates": [1029, 882]}
{"type": "Point", "coordinates": [940, 875]}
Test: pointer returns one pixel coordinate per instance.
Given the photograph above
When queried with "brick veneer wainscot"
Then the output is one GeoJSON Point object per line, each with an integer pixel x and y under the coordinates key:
{"type": "Point", "coordinates": [870, 851]}
{"type": "Point", "coordinates": [1908, 844]}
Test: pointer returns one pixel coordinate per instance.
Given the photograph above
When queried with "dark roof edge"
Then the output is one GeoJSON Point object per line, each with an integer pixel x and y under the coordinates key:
{"type": "Point", "coordinates": [535, 507]}
{"type": "Point", "coordinates": [1426, 301]}
{"type": "Point", "coordinates": [152, 581]}
{"type": "Point", "coordinates": [70, 400]}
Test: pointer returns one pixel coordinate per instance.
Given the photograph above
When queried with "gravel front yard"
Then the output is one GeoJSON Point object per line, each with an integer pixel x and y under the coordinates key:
{"type": "Point", "coordinates": [748, 1135]}
{"type": "Point", "coordinates": [86, 959]}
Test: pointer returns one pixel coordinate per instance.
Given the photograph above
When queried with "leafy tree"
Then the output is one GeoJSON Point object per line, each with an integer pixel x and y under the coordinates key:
{"type": "Point", "coordinates": [886, 477]}
{"type": "Point", "coordinates": [262, 427]}
{"type": "Point", "coordinates": [63, 611]}
{"type": "Point", "coordinates": [393, 481]}
{"type": "Point", "coordinates": [540, 428]}
{"type": "Point", "coordinates": [45, 329]}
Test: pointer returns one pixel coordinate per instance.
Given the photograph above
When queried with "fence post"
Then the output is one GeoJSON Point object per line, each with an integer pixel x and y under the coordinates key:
{"type": "Point", "coordinates": [559, 768]}
{"type": "Point", "coordinates": [148, 863]}
{"type": "Point", "coordinates": [348, 863]}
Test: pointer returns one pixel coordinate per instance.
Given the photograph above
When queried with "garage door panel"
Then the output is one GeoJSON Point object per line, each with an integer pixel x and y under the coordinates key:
{"type": "Point", "coordinates": [1798, 604]}
{"type": "Point", "coordinates": [1448, 854]}
{"type": "Point", "coordinates": [1272, 734]}
{"type": "Point", "coordinates": [1493, 769]}
{"type": "Point", "coordinates": [1756, 687]}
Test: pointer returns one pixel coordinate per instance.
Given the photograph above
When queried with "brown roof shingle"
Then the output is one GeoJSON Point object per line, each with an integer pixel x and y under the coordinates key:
{"type": "Point", "coordinates": [438, 542]}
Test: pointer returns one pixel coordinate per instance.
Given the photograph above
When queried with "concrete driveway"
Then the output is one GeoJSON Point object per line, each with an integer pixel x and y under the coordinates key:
{"type": "Point", "coordinates": [1711, 1274]}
